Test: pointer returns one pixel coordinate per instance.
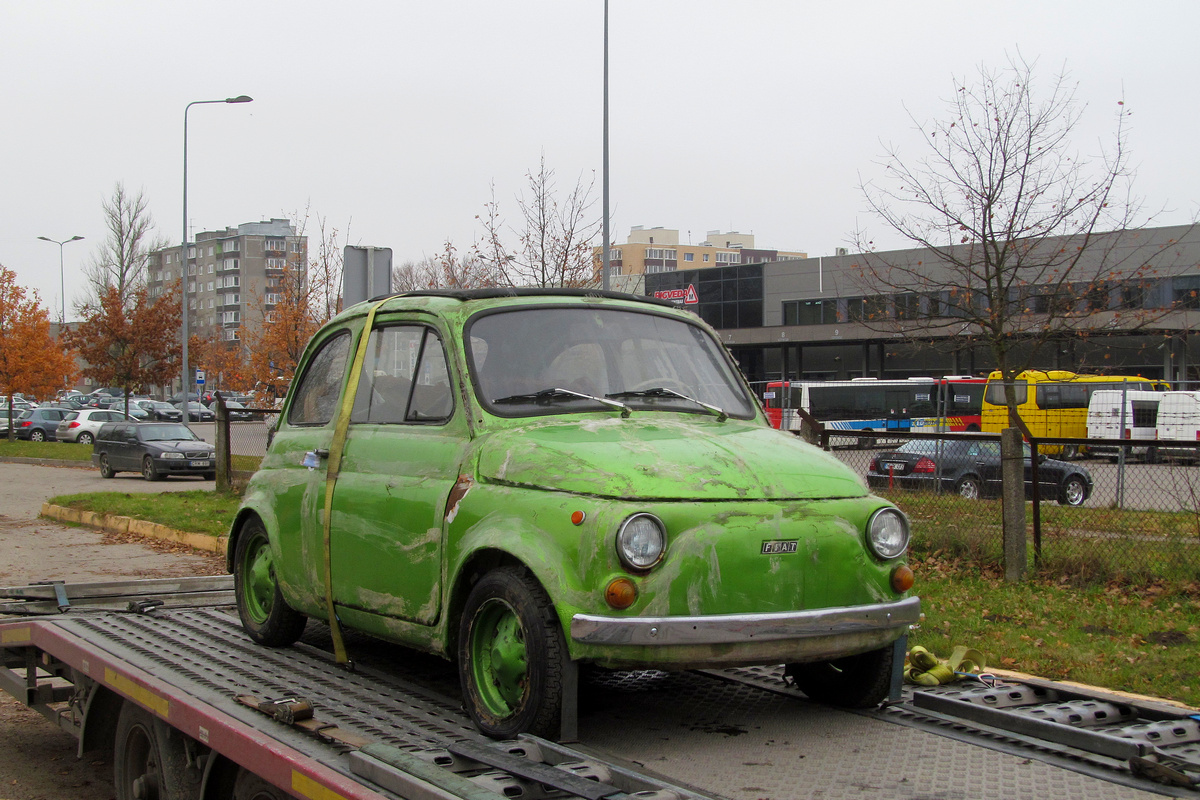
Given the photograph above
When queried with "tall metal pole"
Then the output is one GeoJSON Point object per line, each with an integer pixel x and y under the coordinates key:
{"type": "Point", "coordinates": [62, 274]}
{"type": "Point", "coordinates": [604, 239]}
{"type": "Point", "coordinates": [185, 383]}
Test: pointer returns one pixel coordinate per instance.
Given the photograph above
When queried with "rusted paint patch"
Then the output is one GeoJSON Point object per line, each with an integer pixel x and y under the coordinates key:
{"type": "Point", "coordinates": [457, 493]}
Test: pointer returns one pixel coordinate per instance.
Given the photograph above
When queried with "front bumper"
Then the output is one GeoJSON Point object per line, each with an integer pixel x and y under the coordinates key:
{"type": "Point", "coordinates": [742, 639]}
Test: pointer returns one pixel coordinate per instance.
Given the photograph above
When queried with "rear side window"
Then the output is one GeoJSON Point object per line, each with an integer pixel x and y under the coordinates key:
{"type": "Point", "coordinates": [404, 378]}
{"type": "Point", "coordinates": [321, 385]}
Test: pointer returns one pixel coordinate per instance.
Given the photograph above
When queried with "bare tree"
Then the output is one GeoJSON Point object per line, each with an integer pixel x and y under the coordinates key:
{"type": "Point", "coordinates": [325, 264]}
{"type": "Point", "coordinates": [1018, 235]}
{"type": "Point", "coordinates": [553, 241]}
{"type": "Point", "coordinates": [120, 262]}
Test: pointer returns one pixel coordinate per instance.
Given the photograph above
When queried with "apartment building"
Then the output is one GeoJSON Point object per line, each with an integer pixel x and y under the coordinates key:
{"type": "Point", "coordinates": [233, 275]}
{"type": "Point", "coordinates": [649, 251]}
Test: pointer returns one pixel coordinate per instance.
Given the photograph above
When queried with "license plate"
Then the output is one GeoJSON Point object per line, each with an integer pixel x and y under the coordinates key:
{"type": "Point", "coordinates": [891, 465]}
{"type": "Point", "coordinates": [198, 463]}
{"type": "Point", "coordinates": [779, 546]}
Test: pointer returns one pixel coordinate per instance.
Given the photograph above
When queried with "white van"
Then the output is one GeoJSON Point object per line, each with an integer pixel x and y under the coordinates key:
{"type": "Point", "coordinates": [1141, 416]}
{"type": "Point", "coordinates": [1179, 420]}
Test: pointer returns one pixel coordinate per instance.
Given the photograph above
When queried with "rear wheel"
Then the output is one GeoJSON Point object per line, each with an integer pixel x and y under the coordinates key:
{"type": "Point", "coordinates": [969, 488]}
{"type": "Point", "coordinates": [249, 786]}
{"type": "Point", "coordinates": [265, 615]}
{"type": "Point", "coordinates": [858, 681]}
{"type": "Point", "coordinates": [511, 655]}
{"type": "Point", "coordinates": [151, 760]}
{"type": "Point", "coordinates": [36, 435]}
{"type": "Point", "coordinates": [85, 438]}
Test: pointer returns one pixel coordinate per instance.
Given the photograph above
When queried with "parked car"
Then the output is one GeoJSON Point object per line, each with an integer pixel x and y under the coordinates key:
{"type": "Point", "coordinates": [156, 449]}
{"type": "Point", "coordinates": [158, 411]}
{"type": "Point", "coordinates": [237, 412]}
{"type": "Point", "coordinates": [82, 426]}
{"type": "Point", "coordinates": [197, 413]}
{"type": "Point", "coordinates": [972, 469]}
{"type": "Point", "coordinates": [531, 478]}
{"type": "Point", "coordinates": [39, 424]}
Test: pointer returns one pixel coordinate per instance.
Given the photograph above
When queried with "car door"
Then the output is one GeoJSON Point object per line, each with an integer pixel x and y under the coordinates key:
{"type": "Point", "coordinates": [402, 458]}
{"type": "Point", "coordinates": [985, 458]}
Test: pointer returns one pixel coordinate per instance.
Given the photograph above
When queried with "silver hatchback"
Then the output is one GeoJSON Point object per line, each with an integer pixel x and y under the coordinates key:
{"type": "Point", "coordinates": [81, 426]}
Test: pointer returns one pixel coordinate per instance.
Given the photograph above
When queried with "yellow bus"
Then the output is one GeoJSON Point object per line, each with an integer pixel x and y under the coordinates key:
{"type": "Point", "coordinates": [1053, 404]}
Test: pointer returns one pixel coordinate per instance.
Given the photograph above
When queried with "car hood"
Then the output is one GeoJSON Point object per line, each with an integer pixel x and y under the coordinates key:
{"type": "Point", "coordinates": [664, 457]}
{"type": "Point", "coordinates": [182, 445]}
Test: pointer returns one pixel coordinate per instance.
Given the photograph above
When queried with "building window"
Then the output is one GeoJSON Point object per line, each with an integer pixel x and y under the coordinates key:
{"type": "Point", "coordinates": [210, 286]}
{"type": "Point", "coordinates": [614, 269]}
{"type": "Point", "coordinates": [191, 286]}
{"type": "Point", "coordinates": [908, 306]}
{"type": "Point", "coordinates": [270, 316]}
{"type": "Point", "coordinates": [210, 249]}
{"type": "Point", "coordinates": [654, 252]}
{"type": "Point", "coordinates": [810, 312]}
{"type": "Point", "coordinates": [728, 258]}
{"type": "Point", "coordinates": [296, 246]}
{"type": "Point", "coordinates": [689, 256]}
{"type": "Point", "coordinates": [706, 257]}
{"type": "Point", "coordinates": [230, 263]}
{"type": "Point", "coordinates": [231, 280]}
{"type": "Point", "coordinates": [229, 317]}
{"type": "Point", "coordinates": [231, 246]}
{"type": "Point", "coordinates": [654, 268]}
{"type": "Point", "coordinates": [276, 263]}
{"type": "Point", "coordinates": [274, 299]}
{"type": "Point", "coordinates": [1133, 295]}
{"type": "Point", "coordinates": [274, 244]}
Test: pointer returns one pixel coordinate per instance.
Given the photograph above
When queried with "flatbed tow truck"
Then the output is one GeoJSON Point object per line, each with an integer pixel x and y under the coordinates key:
{"type": "Point", "coordinates": [159, 674]}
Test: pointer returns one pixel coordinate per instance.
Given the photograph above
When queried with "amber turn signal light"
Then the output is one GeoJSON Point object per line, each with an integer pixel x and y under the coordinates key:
{"type": "Point", "coordinates": [620, 593]}
{"type": "Point", "coordinates": [902, 578]}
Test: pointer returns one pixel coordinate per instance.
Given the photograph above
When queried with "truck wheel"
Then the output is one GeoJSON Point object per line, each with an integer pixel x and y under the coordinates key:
{"type": "Point", "coordinates": [150, 760]}
{"type": "Point", "coordinates": [511, 652]}
{"type": "Point", "coordinates": [249, 786]}
{"type": "Point", "coordinates": [859, 681]}
{"type": "Point", "coordinates": [265, 615]}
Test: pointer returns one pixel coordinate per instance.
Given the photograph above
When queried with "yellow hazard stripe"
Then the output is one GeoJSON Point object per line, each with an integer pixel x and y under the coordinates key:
{"type": "Point", "coordinates": [151, 700]}
{"type": "Point", "coordinates": [16, 635]}
{"type": "Point", "coordinates": [307, 787]}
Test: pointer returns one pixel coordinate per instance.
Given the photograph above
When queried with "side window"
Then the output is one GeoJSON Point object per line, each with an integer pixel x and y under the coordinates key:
{"type": "Point", "coordinates": [404, 378]}
{"type": "Point", "coordinates": [318, 390]}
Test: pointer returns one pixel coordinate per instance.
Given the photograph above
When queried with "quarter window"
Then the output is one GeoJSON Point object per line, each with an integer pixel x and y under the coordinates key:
{"type": "Point", "coordinates": [321, 385]}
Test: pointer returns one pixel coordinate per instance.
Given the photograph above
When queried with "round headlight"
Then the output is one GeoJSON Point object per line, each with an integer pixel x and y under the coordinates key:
{"type": "Point", "coordinates": [887, 533]}
{"type": "Point", "coordinates": [641, 541]}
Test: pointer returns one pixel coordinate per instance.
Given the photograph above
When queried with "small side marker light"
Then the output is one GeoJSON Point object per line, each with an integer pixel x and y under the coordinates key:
{"type": "Point", "coordinates": [620, 593]}
{"type": "Point", "coordinates": [578, 517]}
{"type": "Point", "coordinates": [902, 578]}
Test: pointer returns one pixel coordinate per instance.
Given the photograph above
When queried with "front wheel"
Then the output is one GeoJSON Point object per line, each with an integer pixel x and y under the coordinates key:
{"type": "Point", "coordinates": [969, 488]}
{"type": "Point", "coordinates": [267, 618]}
{"type": "Point", "coordinates": [858, 681]}
{"type": "Point", "coordinates": [511, 656]}
{"type": "Point", "coordinates": [106, 470]}
{"type": "Point", "coordinates": [1074, 491]}
{"type": "Point", "coordinates": [148, 470]}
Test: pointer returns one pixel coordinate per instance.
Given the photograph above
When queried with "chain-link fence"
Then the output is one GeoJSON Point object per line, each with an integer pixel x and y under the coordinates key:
{"type": "Point", "coordinates": [1119, 510]}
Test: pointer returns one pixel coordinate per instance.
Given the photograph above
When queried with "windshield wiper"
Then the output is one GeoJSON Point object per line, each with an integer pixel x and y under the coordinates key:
{"type": "Point", "coordinates": [662, 391]}
{"type": "Point", "coordinates": [546, 395]}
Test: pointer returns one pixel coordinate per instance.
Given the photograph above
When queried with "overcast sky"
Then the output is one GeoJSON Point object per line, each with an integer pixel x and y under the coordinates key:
{"type": "Point", "coordinates": [394, 119]}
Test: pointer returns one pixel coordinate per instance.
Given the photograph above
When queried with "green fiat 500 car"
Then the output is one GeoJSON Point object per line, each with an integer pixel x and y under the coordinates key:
{"type": "Point", "coordinates": [524, 481]}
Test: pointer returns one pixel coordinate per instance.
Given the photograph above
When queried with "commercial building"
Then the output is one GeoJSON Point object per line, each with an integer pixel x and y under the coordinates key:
{"type": "Point", "coordinates": [233, 275]}
{"type": "Point", "coordinates": [1136, 297]}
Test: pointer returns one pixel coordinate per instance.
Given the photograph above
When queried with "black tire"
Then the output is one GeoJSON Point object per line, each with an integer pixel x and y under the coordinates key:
{"type": "Point", "coordinates": [249, 786]}
{"type": "Point", "coordinates": [37, 435]}
{"type": "Point", "coordinates": [1073, 492]}
{"type": "Point", "coordinates": [1151, 455]}
{"type": "Point", "coordinates": [509, 615]}
{"type": "Point", "coordinates": [859, 681]}
{"type": "Point", "coordinates": [265, 615]}
{"type": "Point", "coordinates": [210, 476]}
{"type": "Point", "coordinates": [1069, 452]}
{"type": "Point", "coordinates": [150, 759]}
{"type": "Point", "coordinates": [106, 470]}
{"type": "Point", "coordinates": [85, 438]}
{"type": "Point", "coordinates": [148, 470]}
{"type": "Point", "coordinates": [969, 487]}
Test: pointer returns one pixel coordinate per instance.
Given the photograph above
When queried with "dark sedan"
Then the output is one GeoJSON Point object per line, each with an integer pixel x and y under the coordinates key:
{"type": "Point", "coordinates": [972, 469]}
{"type": "Point", "coordinates": [155, 449]}
{"type": "Point", "coordinates": [159, 411]}
{"type": "Point", "coordinates": [197, 412]}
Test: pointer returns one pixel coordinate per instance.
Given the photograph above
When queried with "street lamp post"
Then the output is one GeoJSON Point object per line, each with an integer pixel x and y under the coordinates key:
{"type": "Point", "coordinates": [61, 272]}
{"type": "Point", "coordinates": [185, 384]}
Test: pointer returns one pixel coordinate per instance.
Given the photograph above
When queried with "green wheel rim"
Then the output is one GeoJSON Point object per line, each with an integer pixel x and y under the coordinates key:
{"type": "Point", "coordinates": [258, 578]}
{"type": "Point", "coordinates": [499, 663]}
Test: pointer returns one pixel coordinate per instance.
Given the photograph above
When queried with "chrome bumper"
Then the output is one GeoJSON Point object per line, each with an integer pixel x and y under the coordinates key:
{"type": "Point", "coordinates": [732, 629]}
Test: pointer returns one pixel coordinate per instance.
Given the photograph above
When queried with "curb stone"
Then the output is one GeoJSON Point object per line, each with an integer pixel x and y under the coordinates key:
{"type": "Point", "coordinates": [150, 530]}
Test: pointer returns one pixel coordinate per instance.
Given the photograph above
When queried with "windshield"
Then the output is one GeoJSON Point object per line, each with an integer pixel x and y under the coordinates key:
{"type": "Point", "coordinates": [166, 433]}
{"type": "Point", "coordinates": [518, 357]}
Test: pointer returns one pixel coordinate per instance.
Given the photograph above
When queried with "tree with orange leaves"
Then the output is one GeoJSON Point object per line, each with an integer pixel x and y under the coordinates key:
{"type": "Point", "coordinates": [289, 317]}
{"type": "Point", "coordinates": [224, 361]}
{"type": "Point", "coordinates": [132, 346]}
{"type": "Point", "coordinates": [30, 360]}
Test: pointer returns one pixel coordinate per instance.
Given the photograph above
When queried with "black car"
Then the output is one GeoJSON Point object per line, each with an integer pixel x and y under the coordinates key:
{"type": "Point", "coordinates": [39, 424]}
{"type": "Point", "coordinates": [972, 469]}
{"type": "Point", "coordinates": [197, 412]}
{"type": "Point", "coordinates": [156, 449]}
{"type": "Point", "coordinates": [159, 411]}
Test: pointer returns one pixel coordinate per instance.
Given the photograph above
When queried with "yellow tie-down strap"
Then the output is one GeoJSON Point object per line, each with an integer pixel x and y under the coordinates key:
{"type": "Point", "coordinates": [331, 475]}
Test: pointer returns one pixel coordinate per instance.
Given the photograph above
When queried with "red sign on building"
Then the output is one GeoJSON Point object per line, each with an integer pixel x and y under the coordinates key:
{"type": "Point", "coordinates": [688, 295]}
